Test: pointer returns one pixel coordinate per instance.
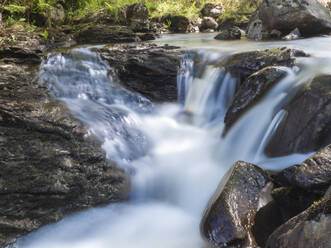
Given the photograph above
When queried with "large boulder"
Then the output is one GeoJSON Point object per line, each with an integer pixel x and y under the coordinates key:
{"type": "Point", "coordinates": [309, 16]}
{"type": "Point", "coordinates": [212, 10]}
{"type": "Point", "coordinates": [229, 217]}
{"type": "Point", "coordinates": [147, 69]}
{"type": "Point", "coordinates": [308, 132]}
{"type": "Point", "coordinates": [309, 229]}
{"type": "Point", "coordinates": [251, 91]}
{"type": "Point", "coordinates": [49, 166]}
{"type": "Point", "coordinates": [314, 173]}
{"type": "Point", "coordinates": [101, 33]}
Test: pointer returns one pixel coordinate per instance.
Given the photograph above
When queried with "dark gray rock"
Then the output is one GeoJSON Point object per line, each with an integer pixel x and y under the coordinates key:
{"type": "Point", "coordinates": [285, 15]}
{"type": "Point", "coordinates": [242, 65]}
{"type": "Point", "coordinates": [254, 31]}
{"type": "Point", "coordinates": [303, 133]}
{"type": "Point", "coordinates": [208, 23]}
{"type": "Point", "coordinates": [137, 17]}
{"type": "Point", "coordinates": [101, 33]}
{"type": "Point", "coordinates": [147, 69]}
{"type": "Point", "coordinates": [212, 10]}
{"type": "Point", "coordinates": [178, 24]}
{"type": "Point", "coordinates": [294, 35]}
{"type": "Point", "coordinates": [309, 229]}
{"type": "Point", "coordinates": [232, 33]}
{"type": "Point", "coordinates": [229, 217]}
{"type": "Point", "coordinates": [48, 167]}
{"type": "Point", "coordinates": [313, 173]}
{"type": "Point", "coordinates": [251, 91]}
{"type": "Point", "coordinates": [137, 11]}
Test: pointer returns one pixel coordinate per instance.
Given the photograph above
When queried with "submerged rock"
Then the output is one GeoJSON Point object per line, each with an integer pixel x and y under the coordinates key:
{"type": "Point", "coordinates": [229, 217]}
{"type": "Point", "coordinates": [285, 15]}
{"type": "Point", "coordinates": [251, 91]}
{"type": "Point", "coordinates": [308, 132]}
{"type": "Point", "coordinates": [49, 167]}
{"type": "Point", "coordinates": [147, 69]}
{"type": "Point", "coordinates": [309, 229]}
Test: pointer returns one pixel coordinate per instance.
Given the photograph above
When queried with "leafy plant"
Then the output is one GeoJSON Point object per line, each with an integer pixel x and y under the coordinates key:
{"type": "Point", "coordinates": [45, 34]}
{"type": "Point", "coordinates": [12, 8]}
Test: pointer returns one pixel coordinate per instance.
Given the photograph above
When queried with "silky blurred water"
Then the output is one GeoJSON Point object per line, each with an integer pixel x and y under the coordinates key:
{"type": "Point", "coordinates": [174, 152]}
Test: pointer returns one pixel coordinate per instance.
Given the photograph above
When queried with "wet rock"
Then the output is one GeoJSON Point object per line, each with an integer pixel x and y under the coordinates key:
{"type": "Point", "coordinates": [49, 167]}
{"type": "Point", "coordinates": [304, 133]}
{"type": "Point", "coordinates": [251, 91]}
{"type": "Point", "coordinates": [309, 229]}
{"type": "Point", "coordinates": [147, 69]}
{"type": "Point", "coordinates": [229, 217]}
{"type": "Point", "coordinates": [101, 33]}
{"type": "Point", "coordinates": [285, 15]}
{"type": "Point", "coordinates": [229, 34]}
{"type": "Point", "coordinates": [294, 35]}
{"type": "Point", "coordinates": [254, 31]}
{"type": "Point", "coordinates": [102, 16]}
{"type": "Point", "coordinates": [179, 24]}
{"type": "Point", "coordinates": [212, 10]}
{"type": "Point", "coordinates": [208, 23]}
{"type": "Point", "coordinates": [242, 65]}
{"type": "Point", "coordinates": [313, 173]}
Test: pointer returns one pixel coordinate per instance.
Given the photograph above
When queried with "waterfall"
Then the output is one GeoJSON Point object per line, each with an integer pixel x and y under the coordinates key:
{"type": "Point", "coordinates": [175, 166]}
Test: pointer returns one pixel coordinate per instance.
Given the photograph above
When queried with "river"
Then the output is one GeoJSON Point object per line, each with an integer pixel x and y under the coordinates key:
{"type": "Point", "coordinates": [175, 159]}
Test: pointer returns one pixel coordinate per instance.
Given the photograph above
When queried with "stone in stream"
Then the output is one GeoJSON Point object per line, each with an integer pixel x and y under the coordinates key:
{"type": "Point", "coordinates": [49, 167]}
{"type": "Point", "coordinates": [242, 65]}
{"type": "Point", "coordinates": [208, 23]}
{"type": "Point", "coordinates": [230, 214]}
{"type": "Point", "coordinates": [309, 16]}
{"type": "Point", "coordinates": [102, 33]}
{"type": "Point", "coordinates": [294, 35]}
{"type": "Point", "coordinates": [308, 132]}
{"type": "Point", "coordinates": [254, 31]}
{"type": "Point", "coordinates": [178, 24]}
{"type": "Point", "coordinates": [309, 229]}
{"type": "Point", "coordinates": [147, 69]}
{"type": "Point", "coordinates": [232, 33]}
{"type": "Point", "coordinates": [313, 174]}
{"type": "Point", "coordinates": [251, 91]}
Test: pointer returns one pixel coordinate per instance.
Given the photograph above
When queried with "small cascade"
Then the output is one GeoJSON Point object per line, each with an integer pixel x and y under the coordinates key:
{"type": "Point", "coordinates": [175, 166]}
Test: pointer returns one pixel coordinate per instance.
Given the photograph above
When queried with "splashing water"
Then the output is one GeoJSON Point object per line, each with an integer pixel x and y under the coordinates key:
{"type": "Point", "coordinates": [175, 165]}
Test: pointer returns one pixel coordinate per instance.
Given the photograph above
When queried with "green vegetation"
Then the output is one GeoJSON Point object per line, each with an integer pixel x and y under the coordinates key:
{"type": "Point", "coordinates": [236, 9]}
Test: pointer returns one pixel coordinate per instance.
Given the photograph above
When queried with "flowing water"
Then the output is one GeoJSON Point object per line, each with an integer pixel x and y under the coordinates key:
{"type": "Point", "coordinates": [173, 152]}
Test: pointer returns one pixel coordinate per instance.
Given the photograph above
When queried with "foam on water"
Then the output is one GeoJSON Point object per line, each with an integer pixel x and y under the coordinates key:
{"type": "Point", "coordinates": [174, 152]}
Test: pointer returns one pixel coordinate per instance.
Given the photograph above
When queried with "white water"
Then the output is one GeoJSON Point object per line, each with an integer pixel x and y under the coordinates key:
{"type": "Point", "coordinates": [174, 152]}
